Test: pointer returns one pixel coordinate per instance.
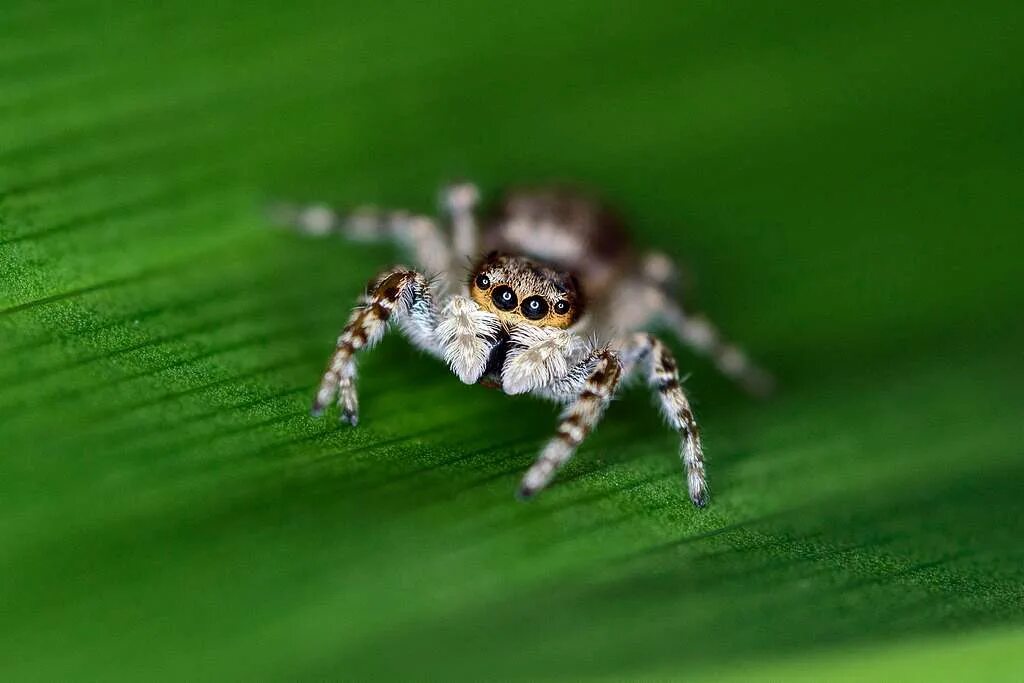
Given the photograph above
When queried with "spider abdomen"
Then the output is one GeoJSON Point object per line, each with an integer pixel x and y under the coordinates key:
{"type": "Point", "coordinates": [564, 229]}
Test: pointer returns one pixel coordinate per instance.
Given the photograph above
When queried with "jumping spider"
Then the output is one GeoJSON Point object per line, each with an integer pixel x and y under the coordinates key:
{"type": "Point", "coordinates": [556, 274]}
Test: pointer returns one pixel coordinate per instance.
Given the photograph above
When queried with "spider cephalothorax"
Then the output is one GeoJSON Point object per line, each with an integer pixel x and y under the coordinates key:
{"type": "Point", "coordinates": [516, 322]}
{"type": "Point", "coordinates": [521, 291]}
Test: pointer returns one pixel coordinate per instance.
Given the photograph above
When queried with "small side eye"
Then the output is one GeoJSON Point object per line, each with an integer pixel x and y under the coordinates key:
{"type": "Point", "coordinates": [561, 307]}
{"type": "Point", "coordinates": [482, 281]}
{"type": "Point", "coordinates": [504, 298]}
{"type": "Point", "coordinates": [534, 308]}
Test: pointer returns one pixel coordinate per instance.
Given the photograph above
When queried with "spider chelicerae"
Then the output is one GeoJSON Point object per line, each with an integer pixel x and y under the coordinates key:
{"type": "Point", "coordinates": [555, 303]}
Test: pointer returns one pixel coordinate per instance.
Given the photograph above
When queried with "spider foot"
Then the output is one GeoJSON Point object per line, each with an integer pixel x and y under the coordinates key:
{"type": "Point", "coordinates": [525, 493]}
{"type": "Point", "coordinates": [700, 496]}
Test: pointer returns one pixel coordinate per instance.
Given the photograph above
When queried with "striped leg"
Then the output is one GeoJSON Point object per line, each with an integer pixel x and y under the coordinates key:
{"type": "Point", "coordinates": [578, 420]}
{"type": "Point", "coordinates": [400, 294]}
{"type": "Point", "coordinates": [663, 375]}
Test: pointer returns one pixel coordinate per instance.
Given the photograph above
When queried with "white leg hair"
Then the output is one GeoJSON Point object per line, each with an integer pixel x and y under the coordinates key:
{"type": "Point", "coordinates": [418, 235]}
{"type": "Point", "coordinates": [646, 353]}
{"type": "Point", "coordinates": [398, 294]}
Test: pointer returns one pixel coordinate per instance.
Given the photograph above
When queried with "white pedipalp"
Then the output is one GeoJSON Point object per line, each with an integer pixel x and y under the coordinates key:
{"type": "Point", "coordinates": [420, 321]}
{"type": "Point", "coordinates": [538, 356]}
{"type": "Point", "coordinates": [466, 334]}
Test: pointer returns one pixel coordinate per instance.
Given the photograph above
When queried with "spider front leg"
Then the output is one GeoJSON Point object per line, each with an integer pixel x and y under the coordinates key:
{"type": "Point", "coordinates": [398, 294]}
{"type": "Point", "coordinates": [663, 376]}
{"type": "Point", "coordinates": [603, 371]}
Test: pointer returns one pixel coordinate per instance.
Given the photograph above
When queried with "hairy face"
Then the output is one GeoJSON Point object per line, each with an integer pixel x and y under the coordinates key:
{"type": "Point", "coordinates": [520, 291]}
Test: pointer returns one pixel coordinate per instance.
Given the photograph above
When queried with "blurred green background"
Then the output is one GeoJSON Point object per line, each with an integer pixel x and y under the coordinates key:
{"type": "Point", "coordinates": [844, 181]}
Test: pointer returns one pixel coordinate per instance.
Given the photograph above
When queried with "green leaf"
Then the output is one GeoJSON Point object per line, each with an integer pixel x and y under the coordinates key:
{"type": "Point", "coordinates": [843, 182]}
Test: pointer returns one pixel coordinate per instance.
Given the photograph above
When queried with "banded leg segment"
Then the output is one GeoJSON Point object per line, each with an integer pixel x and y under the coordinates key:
{"type": "Point", "coordinates": [647, 352]}
{"type": "Point", "coordinates": [399, 294]}
{"type": "Point", "coordinates": [577, 421]}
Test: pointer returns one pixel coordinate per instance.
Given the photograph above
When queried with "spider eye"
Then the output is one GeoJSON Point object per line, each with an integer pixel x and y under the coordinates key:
{"type": "Point", "coordinates": [561, 307]}
{"type": "Point", "coordinates": [504, 298]}
{"type": "Point", "coordinates": [482, 281]}
{"type": "Point", "coordinates": [535, 308]}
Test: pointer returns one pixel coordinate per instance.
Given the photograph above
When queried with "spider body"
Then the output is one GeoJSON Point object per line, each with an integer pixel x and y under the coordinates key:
{"type": "Point", "coordinates": [564, 229]}
{"type": "Point", "coordinates": [555, 303]}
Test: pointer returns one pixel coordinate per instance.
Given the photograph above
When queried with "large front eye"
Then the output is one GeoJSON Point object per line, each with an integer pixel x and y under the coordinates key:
{"type": "Point", "coordinates": [535, 308]}
{"type": "Point", "coordinates": [504, 298]}
{"type": "Point", "coordinates": [482, 281]}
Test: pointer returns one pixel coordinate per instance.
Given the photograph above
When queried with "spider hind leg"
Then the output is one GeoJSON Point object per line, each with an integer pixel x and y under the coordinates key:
{"type": "Point", "coordinates": [646, 300]}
